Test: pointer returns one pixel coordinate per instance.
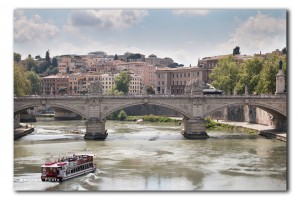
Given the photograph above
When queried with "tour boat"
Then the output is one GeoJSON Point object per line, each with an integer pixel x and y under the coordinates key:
{"type": "Point", "coordinates": [66, 168]}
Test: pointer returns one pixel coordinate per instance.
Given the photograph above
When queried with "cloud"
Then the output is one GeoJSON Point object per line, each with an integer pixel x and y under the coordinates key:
{"type": "Point", "coordinates": [258, 33]}
{"type": "Point", "coordinates": [190, 12]}
{"type": "Point", "coordinates": [33, 29]}
{"type": "Point", "coordinates": [105, 19]}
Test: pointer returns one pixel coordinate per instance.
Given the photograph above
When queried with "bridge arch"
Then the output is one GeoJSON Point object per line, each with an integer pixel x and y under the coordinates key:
{"type": "Point", "coordinates": [265, 107]}
{"type": "Point", "coordinates": [54, 105]}
{"type": "Point", "coordinates": [178, 110]}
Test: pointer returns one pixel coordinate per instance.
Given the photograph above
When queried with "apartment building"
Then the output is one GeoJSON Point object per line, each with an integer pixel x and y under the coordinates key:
{"type": "Point", "coordinates": [108, 82]}
{"type": "Point", "coordinates": [173, 80]}
{"type": "Point", "coordinates": [135, 84]}
{"type": "Point", "coordinates": [55, 85]}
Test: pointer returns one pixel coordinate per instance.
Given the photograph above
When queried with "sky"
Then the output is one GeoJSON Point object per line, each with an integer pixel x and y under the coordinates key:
{"type": "Point", "coordinates": [183, 35]}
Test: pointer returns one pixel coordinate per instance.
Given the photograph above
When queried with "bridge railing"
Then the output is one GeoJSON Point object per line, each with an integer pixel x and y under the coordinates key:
{"type": "Point", "coordinates": [149, 96]}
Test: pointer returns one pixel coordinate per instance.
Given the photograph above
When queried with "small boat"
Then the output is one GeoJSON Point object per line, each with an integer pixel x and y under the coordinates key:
{"type": "Point", "coordinates": [67, 168]}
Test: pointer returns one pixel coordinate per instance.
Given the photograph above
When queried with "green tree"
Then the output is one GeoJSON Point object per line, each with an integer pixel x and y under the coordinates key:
{"type": "Point", "coordinates": [122, 82]}
{"type": "Point", "coordinates": [35, 82]}
{"type": "Point", "coordinates": [267, 78]}
{"type": "Point", "coordinates": [21, 83]}
{"type": "Point", "coordinates": [54, 62]}
{"type": "Point", "coordinates": [284, 51]}
{"type": "Point", "coordinates": [249, 75]}
{"type": "Point", "coordinates": [236, 51]}
{"type": "Point", "coordinates": [122, 115]}
{"type": "Point", "coordinates": [150, 90]}
{"type": "Point", "coordinates": [17, 57]}
{"type": "Point", "coordinates": [29, 63]}
{"type": "Point", "coordinates": [116, 57]}
{"type": "Point", "coordinates": [47, 58]}
{"type": "Point", "coordinates": [114, 91]}
{"type": "Point", "coordinates": [54, 70]}
{"type": "Point", "coordinates": [226, 75]}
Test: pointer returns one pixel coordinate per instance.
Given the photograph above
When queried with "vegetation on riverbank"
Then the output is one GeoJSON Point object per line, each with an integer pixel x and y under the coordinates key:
{"type": "Point", "coordinates": [122, 116]}
{"type": "Point", "coordinates": [213, 125]}
{"type": "Point", "coordinates": [210, 124]}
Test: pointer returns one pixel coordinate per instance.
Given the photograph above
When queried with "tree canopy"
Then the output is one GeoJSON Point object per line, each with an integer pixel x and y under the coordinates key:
{"type": "Point", "coordinates": [225, 75]}
{"type": "Point", "coordinates": [17, 57]}
{"type": "Point", "coordinates": [22, 85]}
{"type": "Point", "coordinates": [122, 82]}
{"type": "Point", "coordinates": [236, 51]}
{"type": "Point", "coordinates": [35, 82]}
{"type": "Point", "coordinates": [258, 74]}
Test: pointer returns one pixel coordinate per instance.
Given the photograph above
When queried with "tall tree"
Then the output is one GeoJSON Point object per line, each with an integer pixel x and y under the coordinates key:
{"type": "Point", "coordinates": [35, 82]}
{"type": "Point", "coordinates": [284, 51]}
{"type": "Point", "coordinates": [249, 75]}
{"type": "Point", "coordinates": [116, 57]}
{"type": "Point", "coordinates": [122, 82]}
{"type": "Point", "coordinates": [226, 76]}
{"type": "Point", "coordinates": [17, 57]}
{"type": "Point", "coordinates": [236, 51]}
{"type": "Point", "coordinates": [30, 63]}
{"type": "Point", "coordinates": [21, 83]}
{"type": "Point", "coordinates": [47, 58]}
{"type": "Point", "coordinates": [54, 62]}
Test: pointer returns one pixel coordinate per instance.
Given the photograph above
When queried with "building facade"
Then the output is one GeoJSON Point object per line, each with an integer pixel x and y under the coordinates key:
{"type": "Point", "coordinates": [55, 85]}
{"type": "Point", "coordinates": [173, 80]}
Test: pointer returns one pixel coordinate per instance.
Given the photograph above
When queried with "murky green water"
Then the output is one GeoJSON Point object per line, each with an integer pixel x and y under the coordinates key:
{"type": "Point", "coordinates": [152, 156]}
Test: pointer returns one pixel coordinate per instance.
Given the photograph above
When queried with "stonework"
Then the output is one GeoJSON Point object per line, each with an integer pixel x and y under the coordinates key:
{"type": "Point", "coordinates": [95, 129]}
{"type": "Point", "coordinates": [194, 108]}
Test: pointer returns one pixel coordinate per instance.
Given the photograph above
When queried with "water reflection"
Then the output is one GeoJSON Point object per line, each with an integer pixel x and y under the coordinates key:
{"type": "Point", "coordinates": [152, 157]}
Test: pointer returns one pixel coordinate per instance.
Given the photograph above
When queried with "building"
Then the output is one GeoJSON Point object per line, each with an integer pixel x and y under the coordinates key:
{"type": "Point", "coordinates": [108, 82]}
{"type": "Point", "coordinates": [135, 85]}
{"type": "Point", "coordinates": [55, 85]}
{"type": "Point", "coordinates": [159, 62]}
{"type": "Point", "coordinates": [74, 80]}
{"type": "Point", "coordinates": [173, 80]}
{"type": "Point", "coordinates": [71, 64]}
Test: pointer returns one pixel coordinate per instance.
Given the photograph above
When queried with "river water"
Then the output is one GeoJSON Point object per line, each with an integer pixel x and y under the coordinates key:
{"type": "Point", "coordinates": [152, 157]}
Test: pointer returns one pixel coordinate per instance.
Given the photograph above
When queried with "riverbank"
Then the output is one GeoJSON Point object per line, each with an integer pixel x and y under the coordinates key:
{"type": "Point", "coordinates": [264, 130]}
{"type": "Point", "coordinates": [23, 130]}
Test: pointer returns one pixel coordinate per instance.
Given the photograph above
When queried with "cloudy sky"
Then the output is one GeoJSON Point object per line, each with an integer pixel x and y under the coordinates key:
{"type": "Point", "coordinates": [184, 35]}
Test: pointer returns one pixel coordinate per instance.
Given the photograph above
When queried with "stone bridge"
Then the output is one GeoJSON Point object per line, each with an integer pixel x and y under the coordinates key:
{"type": "Point", "coordinates": [193, 108]}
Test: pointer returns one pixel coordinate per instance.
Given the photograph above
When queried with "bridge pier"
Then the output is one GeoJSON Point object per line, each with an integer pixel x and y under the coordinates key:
{"type": "Point", "coordinates": [95, 129]}
{"type": "Point", "coordinates": [194, 128]}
